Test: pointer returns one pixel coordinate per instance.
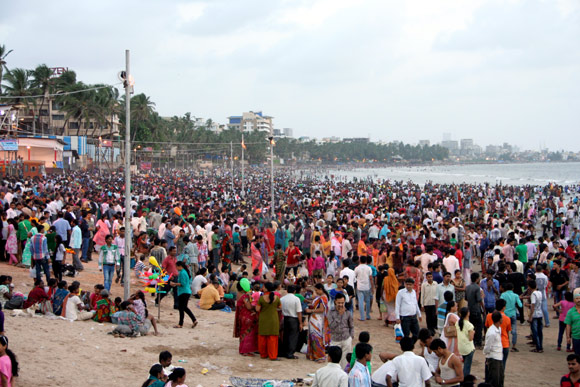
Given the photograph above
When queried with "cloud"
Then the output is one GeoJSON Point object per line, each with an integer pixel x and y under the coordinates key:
{"type": "Point", "coordinates": [492, 70]}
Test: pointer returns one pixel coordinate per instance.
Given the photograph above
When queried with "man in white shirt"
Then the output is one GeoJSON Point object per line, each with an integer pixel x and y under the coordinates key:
{"type": "Point", "coordinates": [346, 247]}
{"type": "Point", "coordinates": [427, 258]}
{"type": "Point", "coordinates": [292, 312]}
{"type": "Point", "coordinates": [364, 287]}
{"type": "Point", "coordinates": [331, 375]}
{"type": "Point", "coordinates": [450, 262]}
{"type": "Point", "coordinates": [493, 352]}
{"type": "Point", "coordinates": [407, 310]}
{"type": "Point", "coordinates": [409, 369]}
{"type": "Point", "coordinates": [347, 271]}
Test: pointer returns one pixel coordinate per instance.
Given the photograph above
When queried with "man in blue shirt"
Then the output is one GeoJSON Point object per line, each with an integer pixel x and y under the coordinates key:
{"type": "Point", "coordinates": [490, 288]}
{"type": "Point", "coordinates": [63, 228]}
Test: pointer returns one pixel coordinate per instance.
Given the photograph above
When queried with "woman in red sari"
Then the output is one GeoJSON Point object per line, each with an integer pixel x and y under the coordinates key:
{"type": "Point", "coordinates": [246, 324]}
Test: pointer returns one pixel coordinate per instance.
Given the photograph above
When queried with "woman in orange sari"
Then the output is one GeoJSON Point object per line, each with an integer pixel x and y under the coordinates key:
{"type": "Point", "coordinates": [390, 289]}
{"type": "Point", "coordinates": [318, 330]}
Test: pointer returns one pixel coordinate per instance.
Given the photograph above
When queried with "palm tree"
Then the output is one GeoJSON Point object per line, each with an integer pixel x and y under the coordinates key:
{"type": "Point", "coordinates": [80, 106]}
{"type": "Point", "coordinates": [43, 82]}
{"type": "Point", "coordinates": [3, 54]}
{"type": "Point", "coordinates": [105, 108]}
{"type": "Point", "coordinates": [142, 109]}
{"type": "Point", "coordinates": [18, 84]}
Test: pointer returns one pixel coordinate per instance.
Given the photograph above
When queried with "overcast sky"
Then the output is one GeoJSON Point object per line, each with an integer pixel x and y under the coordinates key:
{"type": "Point", "coordinates": [408, 70]}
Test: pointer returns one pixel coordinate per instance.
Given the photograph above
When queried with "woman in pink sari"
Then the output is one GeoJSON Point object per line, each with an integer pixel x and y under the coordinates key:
{"type": "Point", "coordinates": [102, 232]}
{"type": "Point", "coordinates": [246, 324]}
{"type": "Point", "coordinates": [256, 257]}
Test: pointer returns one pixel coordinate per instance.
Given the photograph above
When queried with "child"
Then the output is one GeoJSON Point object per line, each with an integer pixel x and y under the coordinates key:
{"type": "Point", "coordinates": [563, 307]}
{"type": "Point", "coordinates": [140, 266]}
{"type": "Point", "coordinates": [363, 337]}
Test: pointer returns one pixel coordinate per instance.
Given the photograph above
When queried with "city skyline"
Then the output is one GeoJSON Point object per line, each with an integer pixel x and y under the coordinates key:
{"type": "Point", "coordinates": [504, 71]}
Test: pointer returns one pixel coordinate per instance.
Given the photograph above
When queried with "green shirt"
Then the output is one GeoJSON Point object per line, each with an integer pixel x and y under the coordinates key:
{"type": "Point", "coordinates": [51, 240]}
{"type": "Point", "coordinates": [268, 320]}
{"type": "Point", "coordinates": [23, 228]}
{"type": "Point", "coordinates": [512, 300]}
{"type": "Point", "coordinates": [573, 319]}
{"type": "Point", "coordinates": [522, 252]}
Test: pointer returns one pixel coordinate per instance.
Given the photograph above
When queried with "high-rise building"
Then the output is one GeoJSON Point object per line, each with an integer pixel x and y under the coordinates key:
{"type": "Point", "coordinates": [251, 121]}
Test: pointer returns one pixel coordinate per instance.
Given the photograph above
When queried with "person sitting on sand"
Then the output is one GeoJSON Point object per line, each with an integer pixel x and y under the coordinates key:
{"type": "Point", "coordinates": [73, 307]}
{"type": "Point", "coordinates": [210, 297]}
{"type": "Point", "coordinates": [36, 295]}
{"type": "Point", "coordinates": [58, 297]}
{"type": "Point", "coordinates": [129, 322]}
{"type": "Point", "coordinates": [177, 378]}
{"type": "Point", "coordinates": [156, 377]}
{"type": "Point", "coordinates": [104, 308]}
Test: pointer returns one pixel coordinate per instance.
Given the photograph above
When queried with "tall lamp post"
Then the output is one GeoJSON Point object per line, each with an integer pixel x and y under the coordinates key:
{"type": "Point", "coordinates": [129, 235]}
{"type": "Point", "coordinates": [272, 212]}
{"type": "Point", "coordinates": [243, 183]}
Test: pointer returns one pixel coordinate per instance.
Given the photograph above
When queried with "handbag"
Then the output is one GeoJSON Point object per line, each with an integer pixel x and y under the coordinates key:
{"type": "Point", "coordinates": [450, 331]}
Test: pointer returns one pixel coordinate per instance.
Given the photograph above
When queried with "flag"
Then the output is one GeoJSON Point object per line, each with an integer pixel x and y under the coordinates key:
{"type": "Point", "coordinates": [243, 144]}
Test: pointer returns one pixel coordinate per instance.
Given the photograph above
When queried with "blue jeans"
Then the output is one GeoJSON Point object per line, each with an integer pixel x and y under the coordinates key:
{"type": "Point", "coordinates": [364, 303]}
{"type": "Point", "coordinates": [506, 352]}
{"type": "Point", "coordinates": [42, 263]}
{"type": "Point", "coordinates": [85, 249]}
{"type": "Point", "coordinates": [108, 273]}
{"type": "Point", "coordinates": [561, 330]}
{"type": "Point", "coordinates": [537, 334]}
{"type": "Point", "coordinates": [467, 360]}
{"type": "Point", "coordinates": [545, 311]}
{"type": "Point", "coordinates": [514, 322]}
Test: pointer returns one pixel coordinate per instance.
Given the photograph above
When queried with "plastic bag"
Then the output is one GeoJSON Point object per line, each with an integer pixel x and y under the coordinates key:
{"type": "Point", "coordinates": [383, 307]}
{"type": "Point", "coordinates": [398, 332]}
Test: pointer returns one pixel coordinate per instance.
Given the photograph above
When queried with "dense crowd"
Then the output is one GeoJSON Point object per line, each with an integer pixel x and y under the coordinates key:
{"type": "Point", "coordinates": [472, 261]}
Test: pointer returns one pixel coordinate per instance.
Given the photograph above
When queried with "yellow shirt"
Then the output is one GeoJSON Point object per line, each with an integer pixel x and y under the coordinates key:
{"type": "Point", "coordinates": [464, 346]}
{"type": "Point", "coordinates": [209, 296]}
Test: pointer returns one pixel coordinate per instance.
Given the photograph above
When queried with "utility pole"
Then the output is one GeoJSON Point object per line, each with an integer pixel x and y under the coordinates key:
{"type": "Point", "coordinates": [243, 182]}
{"type": "Point", "coordinates": [128, 229]}
{"type": "Point", "coordinates": [272, 175]}
{"type": "Point", "coordinates": [232, 165]}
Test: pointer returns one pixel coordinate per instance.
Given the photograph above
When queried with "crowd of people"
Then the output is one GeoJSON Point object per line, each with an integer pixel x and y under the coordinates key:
{"type": "Point", "coordinates": [471, 260]}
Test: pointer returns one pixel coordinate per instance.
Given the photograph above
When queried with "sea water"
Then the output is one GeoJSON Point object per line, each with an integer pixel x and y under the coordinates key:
{"type": "Point", "coordinates": [561, 173]}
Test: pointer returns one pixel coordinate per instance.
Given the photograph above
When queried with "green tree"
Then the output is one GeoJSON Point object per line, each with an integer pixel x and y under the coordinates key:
{"type": "Point", "coordinates": [42, 83]}
{"type": "Point", "coordinates": [3, 54]}
{"type": "Point", "coordinates": [18, 84]}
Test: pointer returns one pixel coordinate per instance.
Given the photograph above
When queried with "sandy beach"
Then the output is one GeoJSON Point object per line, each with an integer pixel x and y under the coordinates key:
{"type": "Point", "coordinates": [54, 352]}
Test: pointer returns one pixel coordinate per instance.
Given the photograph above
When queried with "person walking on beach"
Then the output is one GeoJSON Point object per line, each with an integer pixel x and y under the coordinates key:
{"type": "Point", "coordinates": [183, 285]}
{"type": "Point", "coordinates": [341, 325]}
{"type": "Point", "coordinates": [407, 310]}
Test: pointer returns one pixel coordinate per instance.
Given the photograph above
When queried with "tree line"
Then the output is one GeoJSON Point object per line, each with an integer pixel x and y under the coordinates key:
{"type": "Point", "coordinates": [99, 105]}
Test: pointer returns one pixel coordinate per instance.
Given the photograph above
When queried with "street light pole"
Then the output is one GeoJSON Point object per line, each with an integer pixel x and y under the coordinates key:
{"type": "Point", "coordinates": [232, 166]}
{"type": "Point", "coordinates": [128, 229]}
{"type": "Point", "coordinates": [272, 175]}
{"type": "Point", "coordinates": [243, 183]}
